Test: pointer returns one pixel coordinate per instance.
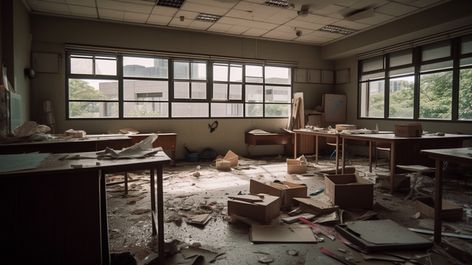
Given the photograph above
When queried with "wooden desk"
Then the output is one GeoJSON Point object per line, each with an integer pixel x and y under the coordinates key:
{"type": "Point", "coordinates": [60, 145]}
{"type": "Point", "coordinates": [456, 155]}
{"type": "Point", "coordinates": [56, 214]}
{"type": "Point", "coordinates": [405, 150]}
{"type": "Point", "coordinates": [317, 134]}
{"type": "Point", "coordinates": [168, 142]}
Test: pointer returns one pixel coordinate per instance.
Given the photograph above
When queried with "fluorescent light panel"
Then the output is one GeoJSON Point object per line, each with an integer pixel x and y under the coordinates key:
{"type": "Point", "coordinates": [277, 3]}
{"type": "Point", "coordinates": [207, 17]}
{"type": "Point", "coordinates": [170, 3]}
{"type": "Point", "coordinates": [337, 29]}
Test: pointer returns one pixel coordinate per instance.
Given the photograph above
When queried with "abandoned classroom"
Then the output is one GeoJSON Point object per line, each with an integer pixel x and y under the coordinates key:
{"type": "Point", "coordinates": [275, 132]}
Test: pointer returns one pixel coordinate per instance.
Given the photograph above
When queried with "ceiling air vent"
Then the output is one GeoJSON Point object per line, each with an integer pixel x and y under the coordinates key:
{"type": "Point", "coordinates": [337, 29]}
{"type": "Point", "coordinates": [170, 3]}
{"type": "Point", "coordinates": [277, 3]}
{"type": "Point", "coordinates": [207, 17]}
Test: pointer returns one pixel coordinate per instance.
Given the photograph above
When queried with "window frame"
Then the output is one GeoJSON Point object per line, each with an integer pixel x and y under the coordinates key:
{"type": "Point", "coordinates": [455, 56]}
{"type": "Point", "coordinates": [171, 81]}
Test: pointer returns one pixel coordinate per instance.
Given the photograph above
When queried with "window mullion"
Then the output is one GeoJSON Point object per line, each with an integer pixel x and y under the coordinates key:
{"type": "Point", "coordinates": [121, 104]}
{"type": "Point", "coordinates": [456, 43]}
{"type": "Point", "coordinates": [416, 98]}
{"type": "Point", "coordinates": [170, 67]}
{"type": "Point", "coordinates": [387, 87]}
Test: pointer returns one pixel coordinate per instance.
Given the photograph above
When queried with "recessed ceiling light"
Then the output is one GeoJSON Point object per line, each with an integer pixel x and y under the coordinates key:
{"type": "Point", "coordinates": [277, 3]}
{"type": "Point", "coordinates": [207, 17]}
{"type": "Point", "coordinates": [170, 3]}
{"type": "Point", "coordinates": [337, 29]}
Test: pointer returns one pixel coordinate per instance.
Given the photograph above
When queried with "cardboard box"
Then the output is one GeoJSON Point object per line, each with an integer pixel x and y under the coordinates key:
{"type": "Point", "coordinates": [450, 210]}
{"type": "Point", "coordinates": [316, 205]}
{"type": "Point", "coordinates": [232, 158]}
{"type": "Point", "coordinates": [263, 211]}
{"type": "Point", "coordinates": [349, 191]}
{"type": "Point", "coordinates": [285, 190]}
{"type": "Point", "coordinates": [296, 166]}
{"type": "Point", "coordinates": [408, 130]}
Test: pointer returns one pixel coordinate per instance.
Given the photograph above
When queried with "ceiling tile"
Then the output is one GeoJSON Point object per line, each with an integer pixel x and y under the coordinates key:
{"type": "Point", "coordinates": [110, 14]}
{"type": "Point", "coordinates": [395, 9]}
{"type": "Point", "coordinates": [350, 24]}
{"type": "Point", "coordinates": [49, 7]}
{"type": "Point", "coordinates": [89, 3]}
{"type": "Point", "coordinates": [247, 23]}
{"type": "Point", "coordinates": [164, 11]}
{"type": "Point", "coordinates": [84, 11]}
{"type": "Point", "coordinates": [199, 8]}
{"type": "Point", "coordinates": [375, 19]}
{"type": "Point", "coordinates": [135, 17]}
{"type": "Point", "coordinates": [186, 14]}
{"type": "Point", "coordinates": [317, 19]}
{"type": "Point", "coordinates": [303, 24]}
{"type": "Point", "coordinates": [280, 35]}
{"type": "Point", "coordinates": [158, 20]}
{"type": "Point", "coordinates": [327, 10]}
{"type": "Point", "coordinates": [214, 3]}
{"type": "Point", "coordinates": [326, 35]}
{"type": "Point", "coordinates": [424, 3]}
{"type": "Point", "coordinates": [237, 29]}
{"type": "Point", "coordinates": [219, 27]}
{"type": "Point", "coordinates": [258, 12]}
{"type": "Point", "coordinates": [367, 3]}
{"type": "Point", "coordinates": [176, 22]}
{"type": "Point", "coordinates": [255, 32]}
{"type": "Point", "coordinates": [137, 7]}
{"type": "Point", "coordinates": [201, 25]}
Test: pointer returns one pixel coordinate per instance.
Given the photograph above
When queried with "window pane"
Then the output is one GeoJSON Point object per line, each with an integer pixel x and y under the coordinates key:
{"type": "Point", "coordinates": [146, 109]}
{"type": "Point", "coordinates": [436, 51]}
{"type": "Point", "coordinates": [401, 58]}
{"type": "Point", "coordinates": [189, 109]}
{"type": "Point", "coordinates": [277, 94]}
{"type": "Point", "coordinates": [146, 90]}
{"type": "Point", "coordinates": [277, 75]}
{"type": "Point", "coordinates": [402, 71]}
{"type": "Point", "coordinates": [199, 90]}
{"type": "Point", "coordinates": [372, 99]}
{"type": "Point", "coordinates": [373, 64]}
{"type": "Point", "coordinates": [436, 66]}
{"type": "Point", "coordinates": [236, 73]}
{"type": "Point", "coordinates": [466, 61]}
{"type": "Point", "coordinates": [254, 110]}
{"type": "Point", "coordinates": [401, 97]}
{"type": "Point", "coordinates": [253, 74]}
{"type": "Point", "coordinates": [93, 89]}
{"type": "Point", "coordinates": [220, 91]}
{"type": "Point", "coordinates": [465, 94]}
{"type": "Point", "coordinates": [182, 90]}
{"type": "Point", "coordinates": [105, 67]}
{"type": "Point", "coordinates": [254, 93]}
{"type": "Point", "coordinates": [277, 110]}
{"type": "Point", "coordinates": [181, 70]}
{"type": "Point", "coordinates": [145, 67]}
{"type": "Point", "coordinates": [226, 109]}
{"type": "Point", "coordinates": [220, 72]}
{"type": "Point", "coordinates": [199, 71]}
{"type": "Point", "coordinates": [93, 110]}
{"type": "Point", "coordinates": [235, 92]}
{"type": "Point", "coordinates": [436, 95]}
{"type": "Point", "coordinates": [81, 65]}
{"type": "Point", "coordinates": [466, 46]}
{"type": "Point", "coordinates": [373, 76]}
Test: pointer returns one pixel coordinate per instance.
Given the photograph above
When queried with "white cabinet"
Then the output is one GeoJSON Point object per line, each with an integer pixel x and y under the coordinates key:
{"type": "Point", "coordinates": [313, 76]}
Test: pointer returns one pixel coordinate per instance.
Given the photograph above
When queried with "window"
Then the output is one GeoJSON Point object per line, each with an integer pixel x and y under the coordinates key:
{"type": "Point", "coordinates": [128, 86]}
{"type": "Point", "coordinates": [432, 82]}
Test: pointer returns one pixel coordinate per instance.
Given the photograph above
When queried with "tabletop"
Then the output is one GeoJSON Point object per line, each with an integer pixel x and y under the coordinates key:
{"type": "Point", "coordinates": [460, 155]}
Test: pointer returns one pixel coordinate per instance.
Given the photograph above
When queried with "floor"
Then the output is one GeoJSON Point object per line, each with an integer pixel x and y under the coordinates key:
{"type": "Point", "coordinates": [195, 188]}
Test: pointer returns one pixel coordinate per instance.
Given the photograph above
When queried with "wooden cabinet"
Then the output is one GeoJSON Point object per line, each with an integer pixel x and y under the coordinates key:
{"type": "Point", "coordinates": [313, 76]}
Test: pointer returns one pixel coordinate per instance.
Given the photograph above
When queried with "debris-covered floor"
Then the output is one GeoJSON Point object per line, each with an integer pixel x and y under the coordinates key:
{"type": "Point", "coordinates": [198, 188]}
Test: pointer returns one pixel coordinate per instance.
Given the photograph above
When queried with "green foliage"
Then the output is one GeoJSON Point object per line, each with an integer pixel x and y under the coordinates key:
{"type": "Point", "coordinates": [80, 90]}
{"type": "Point", "coordinates": [465, 94]}
{"type": "Point", "coordinates": [401, 101]}
{"type": "Point", "coordinates": [436, 95]}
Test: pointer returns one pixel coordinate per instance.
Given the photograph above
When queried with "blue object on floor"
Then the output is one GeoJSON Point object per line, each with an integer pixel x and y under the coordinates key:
{"type": "Point", "coordinates": [333, 154]}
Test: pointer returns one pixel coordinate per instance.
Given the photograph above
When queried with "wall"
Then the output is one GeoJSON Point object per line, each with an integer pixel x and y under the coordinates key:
{"type": "Point", "coordinates": [50, 34]}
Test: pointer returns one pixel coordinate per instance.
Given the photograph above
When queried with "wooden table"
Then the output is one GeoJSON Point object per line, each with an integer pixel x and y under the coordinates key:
{"type": "Point", "coordinates": [404, 150]}
{"type": "Point", "coordinates": [317, 134]}
{"type": "Point", "coordinates": [456, 155]}
{"type": "Point", "coordinates": [168, 141]}
{"type": "Point", "coordinates": [56, 213]}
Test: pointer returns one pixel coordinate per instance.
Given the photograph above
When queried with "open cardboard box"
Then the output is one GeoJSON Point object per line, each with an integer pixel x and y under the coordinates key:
{"type": "Point", "coordinates": [296, 166]}
{"type": "Point", "coordinates": [349, 191]}
{"type": "Point", "coordinates": [263, 211]}
{"type": "Point", "coordinates": [286, 190]}
{"type": "Point", "coordinates": [450, 211]}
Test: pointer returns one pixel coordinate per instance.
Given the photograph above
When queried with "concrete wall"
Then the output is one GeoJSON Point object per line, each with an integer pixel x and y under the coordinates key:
{"type": "Point", "coordinates": [50, 34]}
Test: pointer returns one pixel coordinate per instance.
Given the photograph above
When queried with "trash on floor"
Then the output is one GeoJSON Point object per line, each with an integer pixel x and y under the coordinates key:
{"type": "Point", "coordinates": [349, 191]}
{"type": "Point", "coordinates": [262, 211]}
{"type": "Point", "coordinates": [315, 206]}
{"type": "Point", "coordinates": [284, 189]}
{"type": "Point", "coordinates": [281, 234]}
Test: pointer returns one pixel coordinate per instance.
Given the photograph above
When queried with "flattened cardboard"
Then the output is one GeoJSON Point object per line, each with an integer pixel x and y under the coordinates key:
{"type": "Point", "coordinates": [262, 212]}
{"type": "Point", "coordinates": [199, 220]}
{"type": "Point", "coordinates": [285, 190]}
{"type": "Point", "coordinates": [247, 198]}
{"type": "Point", "coordinates": [232, 157]}
{"type": "Point", "coordinates": [281, 234]}
{"type": "Point", "coordinates": [450, 211]}
{"type": "Point", "coordinates": [349, 191]}
{"type": "Point", "coordinates": [315, 206]}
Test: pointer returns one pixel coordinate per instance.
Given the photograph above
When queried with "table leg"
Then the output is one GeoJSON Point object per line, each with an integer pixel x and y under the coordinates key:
{"type": "Point", "coordinates": [126, 183]}
{"type": "Point", "coordinates": [295, 146]}
{"type": "Point", "coordinates": [104, 219]}
{"type": "Point", "coordinates": [160, 213]}
{"type": "Point", "coordinates": [337, 154]}
{"type": "Point", "coordinates": [370, 156]}
{"type": "Point", "coordinates": [438, 201]}
{"type": "Point", "coordinates": [343, 146]}
{"type": "Point", "coordinates": [316, 149]}
{"type": "Point", "coordinates": [393, 165]}
{"type": "Point", "coordinates": [153, 200]}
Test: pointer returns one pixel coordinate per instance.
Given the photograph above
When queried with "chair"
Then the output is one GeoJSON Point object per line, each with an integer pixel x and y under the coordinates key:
{"type": "Point", "coordinates": [417, 171]}
{"type": "Point", "coordinates": [382, 147]}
